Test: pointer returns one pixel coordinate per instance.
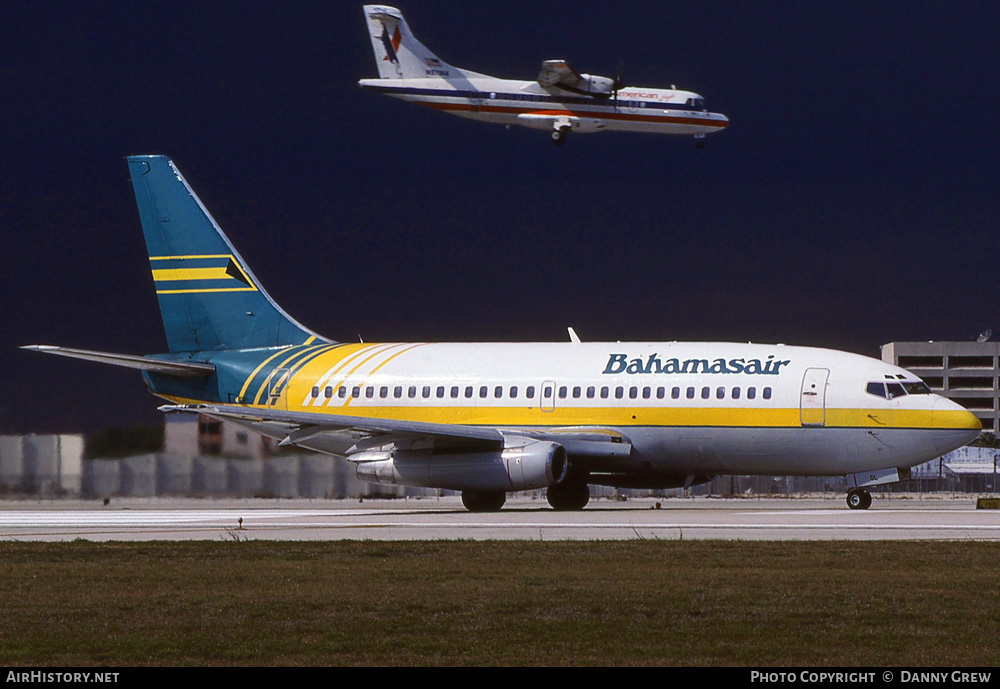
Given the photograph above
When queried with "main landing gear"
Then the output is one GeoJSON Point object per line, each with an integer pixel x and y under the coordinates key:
{"type": "Point", "coordinates": [483, 500]}
{"type": "Point", "coordinates": [859, 499]}
{"type": "Point", "coordinates": [568, 496]}
{"type": "Point", "coordinates": [558, 135]}
{"type": "Point", "coordinates": [699, 141]}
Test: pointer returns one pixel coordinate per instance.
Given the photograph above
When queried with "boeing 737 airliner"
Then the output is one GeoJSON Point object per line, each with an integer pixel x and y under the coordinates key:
{"type": "Point", "coordinates": [559, 101]}
{"type": "Point", "coordinates": [489, 419]}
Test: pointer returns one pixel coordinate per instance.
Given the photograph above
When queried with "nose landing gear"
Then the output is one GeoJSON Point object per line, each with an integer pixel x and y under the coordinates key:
{"type": "Point", "coordinates": [558, 135]}
{"type": "Point", "coordinates": [859, 499]}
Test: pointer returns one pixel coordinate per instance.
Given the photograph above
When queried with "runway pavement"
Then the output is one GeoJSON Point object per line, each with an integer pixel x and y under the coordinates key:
{"type": "Point", "coordinates": [911, 517]}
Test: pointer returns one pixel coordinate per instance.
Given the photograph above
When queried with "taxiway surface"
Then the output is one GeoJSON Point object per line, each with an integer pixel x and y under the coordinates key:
{"type": "Point", "coordinates": [951, 518]}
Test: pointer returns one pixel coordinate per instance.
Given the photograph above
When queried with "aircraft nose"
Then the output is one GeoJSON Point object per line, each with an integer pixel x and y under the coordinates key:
{"type": "Point", "coordinates": [954, 426]}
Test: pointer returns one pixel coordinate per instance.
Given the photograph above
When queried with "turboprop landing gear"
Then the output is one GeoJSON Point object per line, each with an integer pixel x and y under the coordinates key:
{"type": "Point", "coordinates": [568, 496]}
{"type": "Point", "coordinates": [699, 141]}
{"type": "Point", "coordinates": [858, 499]}
{"type": "Point", "coordinates": [558, 135]}
{"type": "Point", "coordinates": [483, 500]}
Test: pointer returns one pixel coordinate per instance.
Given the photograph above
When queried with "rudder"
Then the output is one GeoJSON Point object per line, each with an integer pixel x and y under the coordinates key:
{"type": "Point", "coordinates": [209, 299]}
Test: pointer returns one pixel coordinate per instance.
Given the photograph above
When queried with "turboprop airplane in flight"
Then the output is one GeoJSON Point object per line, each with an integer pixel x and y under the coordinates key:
{"type": "Point", "coordinates": [488, 419]}
{"type": "Point", "coordinates": [559, 101]}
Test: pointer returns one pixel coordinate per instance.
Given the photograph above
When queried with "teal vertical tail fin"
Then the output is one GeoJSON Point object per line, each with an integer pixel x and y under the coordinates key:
{"type": "Point", "coordinates": [209, 299]}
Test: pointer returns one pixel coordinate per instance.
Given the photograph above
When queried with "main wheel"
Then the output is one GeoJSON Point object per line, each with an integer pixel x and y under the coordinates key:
{"type": "Point", "coordinates": [858, 499]}
{"type": "Point", "coordinates": [568, 496]}
{"type": "Point", "coordinates": [483, 500]}
{"type": "Point", "coordinates": [558, 136]}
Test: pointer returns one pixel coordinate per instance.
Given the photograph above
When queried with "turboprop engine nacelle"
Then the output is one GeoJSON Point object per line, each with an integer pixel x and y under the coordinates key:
{"type": "Point", "coordinates": [523, 464]}
{"type": "Point", "coordinates": [596, 84]}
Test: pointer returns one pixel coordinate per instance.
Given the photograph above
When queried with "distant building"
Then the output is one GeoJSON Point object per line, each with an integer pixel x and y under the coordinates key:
{"type": "Point", "coordinates": [191, 436]}
{"type": "Point", "coordinates": [965, 372]}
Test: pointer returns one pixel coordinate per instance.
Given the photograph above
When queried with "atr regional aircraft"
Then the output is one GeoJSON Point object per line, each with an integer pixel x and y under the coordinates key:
{"type": "Point", "coordinates": [489, 419]}
{"type": "Point", "coordinates": [559, 101]}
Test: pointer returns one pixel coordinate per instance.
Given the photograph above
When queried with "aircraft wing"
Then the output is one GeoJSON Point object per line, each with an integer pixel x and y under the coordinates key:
{"type": "Point", "coordinates": [555, 72]}
{"type": "Point", "coordinates": [354, 433]}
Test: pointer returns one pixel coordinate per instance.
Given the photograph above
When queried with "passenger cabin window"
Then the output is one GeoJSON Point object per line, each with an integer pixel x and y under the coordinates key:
{"type": "Point", "coordinates": [751, 393]}
{"type": "Point", "coordinates": [426, 391]}
{"type": "Point", "coordinates": [341, 392]}
{"type": "Point", "coordinates": [440, 391]}
{"type": "Point", "coordinates": [315, 392]}
{"type": "Point", "coordinates": [498, 391]}
{"type": "Point", "coordinates": [356, 392]}
{"type": "Point", "coordinates": [690, 393]}
{"type": "Point", "coordinates": [767, 393]}
{"type": "Point", "coordinates": [736, 393]}
{"type": "Point", "coordinates": [328, 392]}
{"type": "Point", "coordinates": [412, 391]}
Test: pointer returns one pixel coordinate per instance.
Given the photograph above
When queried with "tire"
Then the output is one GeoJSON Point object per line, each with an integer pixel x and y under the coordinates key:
{"type": "Point", "coordinates": [567, 497]}
{"type": "Point", "coordinates": [858, 499]}
{"type": "Point", "coordinates": [483, 500]}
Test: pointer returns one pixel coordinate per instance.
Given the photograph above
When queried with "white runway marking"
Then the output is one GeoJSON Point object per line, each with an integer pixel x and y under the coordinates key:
{"type": "Point", "coordinates": [445, 519]}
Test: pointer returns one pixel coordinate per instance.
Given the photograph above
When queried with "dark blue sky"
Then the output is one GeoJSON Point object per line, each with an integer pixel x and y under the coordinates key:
{"type": "Point", "coordinates": [853, 200]}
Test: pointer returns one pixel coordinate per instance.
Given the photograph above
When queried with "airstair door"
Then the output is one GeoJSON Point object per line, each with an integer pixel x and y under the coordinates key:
{"type": "Point", "coordinates": [812, 405]}
{"type": "Point", "coordinates": [276, 387]}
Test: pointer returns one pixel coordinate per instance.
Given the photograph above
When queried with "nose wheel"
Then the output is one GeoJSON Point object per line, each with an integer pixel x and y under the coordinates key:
{"type": "Point", "coordinates": [858, 499]}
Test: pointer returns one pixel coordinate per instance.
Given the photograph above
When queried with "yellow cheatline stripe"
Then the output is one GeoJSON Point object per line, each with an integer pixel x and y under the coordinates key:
{"type": "Point", "coordinates": [351, 372]}
{"type": "Point", "coordinates": [322, 349]}
{"type": "Point", "coordinates": [169, 274]}
{"type": "Point", "coordinates": [309, 339]}
{"type": "Point", "coordinates": [267, 380]}
{"type": "Point", "coordinates": [565, 418]}
{"type": "Point", "coordinates": [184, 258]}
{"type": "Point", "coordinates": [362, 348]}
{"type": "Point", "coordinates": [372, 372]}
{"type": "Point", "coordinates": [246, 383]}
{"type": "Point", "coordinates": [201, 291]}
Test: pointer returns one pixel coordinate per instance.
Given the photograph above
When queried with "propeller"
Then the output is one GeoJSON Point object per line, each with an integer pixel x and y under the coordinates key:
{"type": "Point", "coordinates": [618, 83]}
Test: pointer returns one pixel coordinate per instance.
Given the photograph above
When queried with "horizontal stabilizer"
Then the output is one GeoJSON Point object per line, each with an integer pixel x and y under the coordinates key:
{"type": "Point", "coordinates": [184, 369]}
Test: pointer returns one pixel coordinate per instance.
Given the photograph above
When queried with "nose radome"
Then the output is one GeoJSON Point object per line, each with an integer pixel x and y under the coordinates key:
{"type": "Point", "coordinates": [954, 426]}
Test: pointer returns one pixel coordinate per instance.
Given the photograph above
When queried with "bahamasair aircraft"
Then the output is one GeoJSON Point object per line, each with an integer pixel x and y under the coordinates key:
{"type": "Point", "coordinates": [489, 419]}
{"type": "Point", "coordinates": [559, 101]}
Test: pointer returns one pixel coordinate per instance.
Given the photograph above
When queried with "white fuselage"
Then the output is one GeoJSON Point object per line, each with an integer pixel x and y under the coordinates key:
{"type": "Point", "coordinates": [528, 104]}
{"type": "Point", "coordinates": [686, 408]}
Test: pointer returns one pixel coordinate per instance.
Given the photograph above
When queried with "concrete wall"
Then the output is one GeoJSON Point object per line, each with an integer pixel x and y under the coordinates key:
{"type": "Point", "coordinates": [291, 476]}
{"type": "Point", "coordinates": [42, 464]}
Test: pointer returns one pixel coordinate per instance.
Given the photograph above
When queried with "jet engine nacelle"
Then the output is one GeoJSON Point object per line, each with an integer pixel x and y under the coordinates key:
{"type": "Point", "coordinates": [523, 464]}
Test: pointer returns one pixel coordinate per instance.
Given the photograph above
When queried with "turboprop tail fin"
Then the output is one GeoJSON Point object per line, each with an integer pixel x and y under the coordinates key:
{"type": "Point", "coordinates": [398, 54]}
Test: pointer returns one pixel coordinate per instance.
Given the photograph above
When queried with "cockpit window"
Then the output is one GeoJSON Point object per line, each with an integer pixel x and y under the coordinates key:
{"type": "Point", "coordinates": [916, 387]}
{"type": "Point", "coordinates": [877, 389]}
{"type": "Point", "coordinates": [894, 390]}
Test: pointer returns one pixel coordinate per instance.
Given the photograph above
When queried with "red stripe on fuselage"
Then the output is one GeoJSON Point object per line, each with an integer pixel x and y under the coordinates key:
{"type": "Point", "coordinates": [623, 117]}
